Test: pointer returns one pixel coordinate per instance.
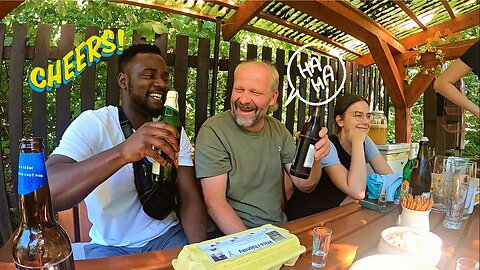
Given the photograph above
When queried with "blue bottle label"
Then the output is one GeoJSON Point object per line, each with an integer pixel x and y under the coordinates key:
{"type": "Point", "coordinates": [32, 174]}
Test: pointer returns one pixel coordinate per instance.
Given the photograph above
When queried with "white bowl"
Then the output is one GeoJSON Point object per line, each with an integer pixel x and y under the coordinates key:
{"type": "Point", "coordinates": [422, 246]}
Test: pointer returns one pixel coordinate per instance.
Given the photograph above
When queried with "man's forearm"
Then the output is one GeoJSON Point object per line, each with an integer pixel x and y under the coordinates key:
{"type": "Point", "coordinates": [308, 185]}
{"type": "Point", "coordinates": [70, 181]}
{"type": "Point", "coordinates": [226, 218]}
{"type": "Point", "coordinates": [193, 217]}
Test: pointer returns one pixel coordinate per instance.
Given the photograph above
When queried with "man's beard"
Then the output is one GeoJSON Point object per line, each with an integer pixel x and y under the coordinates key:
{"type": "Point", "coordinates": [247, 121]}
{"type": "Point", "coordinates": [141, 104]}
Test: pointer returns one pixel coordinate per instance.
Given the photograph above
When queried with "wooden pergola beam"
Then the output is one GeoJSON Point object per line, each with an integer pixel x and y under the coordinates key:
{"type": "Point", "coordinates": [162, 7]}
{"type": "Point", "coordinates": [462, 22]}
{"type": "Point", "coordinates": [448, 8]}
{"type": "Point", "coordinates": [451, 50]}
{"type": "Point", "coordinates": [227, 4]}
{"type": "Point", "coordinates": [241, 17]}
{"type": "Point", "coordinates": [387, 65]}
{"type": "Point", "coordinates": [304, 30]}
{"type": "Point", "coordinates": [457, 24]}
{"type": "Point", "coordinates": [8, 6]}
{"type": "Point", "coordinates": [410, 13]}
{"type": "Point", "coordinates": [348, 19]}
{"type": "Point", "coordinates": [284, 39]}
{"type": "Point", "coordinates": [271, 18]}
{"type": "Point", "coordinates": [416, 88]}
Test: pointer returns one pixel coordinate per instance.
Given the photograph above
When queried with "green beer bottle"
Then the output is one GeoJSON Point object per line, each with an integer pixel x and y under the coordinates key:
{"type": "Point", "coordinates": [407, 170]}
{"type": "Point", "coordinates": [167, 175]}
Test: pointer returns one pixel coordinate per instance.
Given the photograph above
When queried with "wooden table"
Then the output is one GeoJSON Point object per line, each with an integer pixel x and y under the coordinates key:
{"type": "Point", "coordinates": [356, 232]}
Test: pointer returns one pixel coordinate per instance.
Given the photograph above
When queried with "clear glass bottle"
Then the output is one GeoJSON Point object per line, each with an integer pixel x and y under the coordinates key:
{"type": "Point", "coordinates": [304, 154]}
{"type": "Point", "coordinates": [39, 242]}
{"type": "Point", "coordinates": [378, 129]}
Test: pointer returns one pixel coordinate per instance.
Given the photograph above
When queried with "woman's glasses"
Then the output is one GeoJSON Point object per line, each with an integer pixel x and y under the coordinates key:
{"type": "Point", "coordinates": [359, 116]}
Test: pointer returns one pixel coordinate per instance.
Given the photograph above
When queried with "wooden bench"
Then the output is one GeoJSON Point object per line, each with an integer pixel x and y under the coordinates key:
{"type": "Point", "coordinates": [76, 224]}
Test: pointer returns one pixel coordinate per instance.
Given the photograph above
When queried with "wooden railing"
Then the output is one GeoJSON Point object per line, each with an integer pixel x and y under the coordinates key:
{"type": "Point", "coordinates": [48, 114]}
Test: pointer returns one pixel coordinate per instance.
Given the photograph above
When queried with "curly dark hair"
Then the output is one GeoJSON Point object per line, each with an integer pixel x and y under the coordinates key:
{"type": "Point", "coordinates": [133, 50]}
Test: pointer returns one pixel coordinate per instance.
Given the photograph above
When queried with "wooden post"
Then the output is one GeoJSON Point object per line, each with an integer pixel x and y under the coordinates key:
{"type": "Point", "coordinates": [403, 120]}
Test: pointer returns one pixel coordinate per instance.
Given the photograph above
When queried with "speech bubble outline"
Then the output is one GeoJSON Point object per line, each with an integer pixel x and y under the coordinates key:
{"type": "Point", "coordinates": [296, 93]}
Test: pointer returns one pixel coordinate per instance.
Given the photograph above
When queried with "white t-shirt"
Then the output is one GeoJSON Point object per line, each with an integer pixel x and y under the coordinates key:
{"type": "Point", "coordinates": [113, 207]}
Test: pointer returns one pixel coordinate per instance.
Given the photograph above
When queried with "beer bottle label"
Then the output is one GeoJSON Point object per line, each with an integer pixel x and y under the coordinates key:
{"type": "Point", "coordinates": [405, 188]}
{"type": "Point", "coordinates": [308, 163]}
{"type": "Point", "coordinates": [156, 167]}
{"type": "Point", "coordinates": [32, 174]}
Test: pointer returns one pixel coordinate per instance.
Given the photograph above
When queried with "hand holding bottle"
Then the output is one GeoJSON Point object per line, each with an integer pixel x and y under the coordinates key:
{"type": "Point", "coordinates": [313, 144]}
{"type": "Point", "coordinates": [160, 135]}
{"type": "Point", "coordinates": [322, 147]}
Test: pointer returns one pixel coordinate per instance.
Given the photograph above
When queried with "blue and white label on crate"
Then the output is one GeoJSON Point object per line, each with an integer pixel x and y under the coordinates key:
{"type": "Point", "coordinates": [32, 174]}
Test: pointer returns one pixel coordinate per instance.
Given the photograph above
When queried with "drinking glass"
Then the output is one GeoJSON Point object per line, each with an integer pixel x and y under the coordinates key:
{"type": "Point", "coordinates": [457, 193]}
{"type": "Point", "coordinates": [382, 196]}
{"type": "Point", "coordinates": [471, 189]}
{"type": "Point", "coordinates": [467, 264]}
{"type": "Point", "coordinates": [321, 245]}
{"type": "Point", "coordinates": [439, 184]}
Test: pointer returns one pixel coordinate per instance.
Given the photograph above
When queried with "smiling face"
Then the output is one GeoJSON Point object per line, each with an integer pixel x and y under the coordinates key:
{"type": "Point", "coordinates": [350, 118]}
{"type": "Point", "coordinates": [252, 94]}
{"type": "Point", "coordinates": [145, 80]}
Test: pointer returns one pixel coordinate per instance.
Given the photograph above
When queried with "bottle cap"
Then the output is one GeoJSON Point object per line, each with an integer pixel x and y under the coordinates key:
{"type": "Point", "coordinates": [172, 94]}
{"type": "Point", "coordinates": [424, 139]}
{"type": "Point", "coordinates": [172, 99]}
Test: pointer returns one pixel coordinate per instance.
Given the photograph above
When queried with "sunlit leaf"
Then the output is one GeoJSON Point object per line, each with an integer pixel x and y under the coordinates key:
{"type": "Point", "coordinates": [159, 28]}
{"type": "Point", "coordinates": [145, 29]}
{"type": "Point", "coordinates": [177, 24]}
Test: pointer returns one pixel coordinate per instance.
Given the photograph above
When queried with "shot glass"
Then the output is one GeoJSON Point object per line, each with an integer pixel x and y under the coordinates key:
{"type": "Point", "coordinates": [382, 196]}
{"type": "Point", "coordinates": [457, 194]}
{"type": "Point", "coordinates": [467, 264]}
{"type": "Point", "coordinates": [321, 245]}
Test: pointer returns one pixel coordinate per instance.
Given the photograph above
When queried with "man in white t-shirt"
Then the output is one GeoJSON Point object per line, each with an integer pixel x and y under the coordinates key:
{"type": "Point", "coordinates": [94, 162]}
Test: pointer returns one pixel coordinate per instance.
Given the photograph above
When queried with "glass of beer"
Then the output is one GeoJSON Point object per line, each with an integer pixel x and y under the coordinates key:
{"type": "Point", "coordinates": [378, 129]}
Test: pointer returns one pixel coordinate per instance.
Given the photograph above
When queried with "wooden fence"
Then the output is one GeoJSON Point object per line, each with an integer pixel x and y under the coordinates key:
{"type": "Point", "coordinates": [29, 112]}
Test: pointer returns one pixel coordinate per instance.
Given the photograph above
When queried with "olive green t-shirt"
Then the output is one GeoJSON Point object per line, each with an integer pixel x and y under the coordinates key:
{"type": "Point", "coordinates": [254, 163]}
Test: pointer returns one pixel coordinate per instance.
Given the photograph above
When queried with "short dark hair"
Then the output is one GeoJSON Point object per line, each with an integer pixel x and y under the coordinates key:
{"type": "Point", "coordinates": [343, 103]}
{"type": "Point", "coordinates": [133, 50]}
